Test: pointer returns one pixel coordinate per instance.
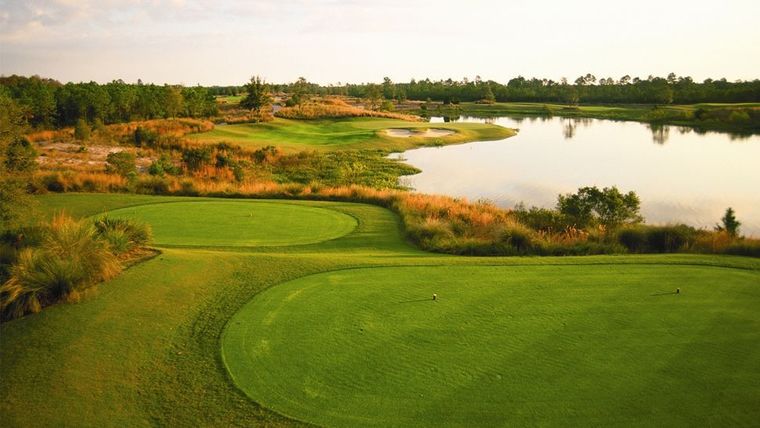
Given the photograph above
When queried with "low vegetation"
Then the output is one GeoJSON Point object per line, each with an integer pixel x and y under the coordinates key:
{"type": "Point", "coordinates": [62, 260]}
{"type": "Point", "coordinates": [334, 108]}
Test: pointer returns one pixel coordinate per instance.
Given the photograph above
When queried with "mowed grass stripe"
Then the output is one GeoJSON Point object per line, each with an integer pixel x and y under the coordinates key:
{"type": "Point", "coordinates": [239, 223]}
{"type": "Point", "coordinates": [504, 346]}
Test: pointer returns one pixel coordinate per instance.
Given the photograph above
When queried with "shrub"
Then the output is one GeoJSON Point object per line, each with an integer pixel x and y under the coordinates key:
{"type": "Point", "coordinates": [608, 207]}
{"type": "Point", "coordinates": [634, 239]}
{"type": "Point", "coordinates": [744, 247]}
{"type": "Point", "coordinates": [669, 239]}
{"type": "Point", "coordinates": [122, 163]}
{"type": "Point", "coordinates": [123, 235]}
{"type": "Point", "coordinates": [162, 166]}
{"type": "Point", "coordinates": [70, 260]}
{"type": "Point", "coordinates": [53, 182]}
{"type": "Point", "coordinates": [145, 137]}
{"type": "Point", "coordinates": [541, 218]}
{"type": "Point", "coordinates": [82, 130]}
{"type": "Point", "coordinates": [517, 237]}
{"type": "Point", "coordinates": [152, 186]}
{"type": "Point", "coordinates": [195, 158]}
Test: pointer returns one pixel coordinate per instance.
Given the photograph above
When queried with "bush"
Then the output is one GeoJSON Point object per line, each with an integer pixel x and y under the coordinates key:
{"type": "Point", "coordinates": [162, 166]}
{"type": "Point", "coordinates": [71, 259]}
{"type": "Point", "coordinates": [196, 158]}
{"type": "Point", "coordinates": [608, 207]}
{"type": "Point", "coordinates": [82, 130]}
{"type": "Point", "coordinates": [53, 183]}
{"type": "Point", "coordinates": [152, 186]}
{"type": "Point", "coordinates": [517, 237]}
{"type": "Point", "coordinates": [634, 239]}
{"type": "Point", "coordinates": [123, 235]}
{"type": "Point", "coordinates": [541, 218]}
{"type": "Point", "coordinates": [122, 163]}
{"type": "Point", "coordinates": [750, 248]}
{"type": "Point", "coordinates": [669, 239]}
{"type": "Point", "coordinates": [145, 137]}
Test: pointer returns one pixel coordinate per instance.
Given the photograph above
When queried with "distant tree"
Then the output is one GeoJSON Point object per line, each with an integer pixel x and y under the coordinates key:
{"type": "Point", "coordinates": [20, 156]}
{"type": "Point", "coordinates": [730, 223]}
{"type": "Point", "coordinates": [82, 130]}
{"type": "Point", "coordinates": [299, 91]}
{"type": "Point", "coordinates": [608, 207]}
{"type": "Point", "coordinates": [569, 95]}
{"type": "Point", "coordinates": [389, 89]}
{"type": "Point", "coordinates": [373, 96]}
{"type": "Point", "coordinates": [258, 95]}
{"type": "Point", "coordinates": [174, 102]}
{"type": "Point", "coordinates": [16, 164]}
{"type": "Point", "coordinates": [488, 95]}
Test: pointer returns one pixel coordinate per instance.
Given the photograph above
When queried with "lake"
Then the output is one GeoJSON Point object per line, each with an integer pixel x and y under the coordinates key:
{"type": "Point", "coordinates": [680, 175]}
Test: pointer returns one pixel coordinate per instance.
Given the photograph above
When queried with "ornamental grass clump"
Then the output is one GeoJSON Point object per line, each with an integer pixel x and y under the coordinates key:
{"type": "Point", "coordinates": [72, 258]}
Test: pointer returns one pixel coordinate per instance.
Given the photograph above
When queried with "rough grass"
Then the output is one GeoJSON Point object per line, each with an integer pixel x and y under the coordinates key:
{"type": "Point", "coordinates": [145, 349]}
{"type": "Point", "coordinates": [341, 134]}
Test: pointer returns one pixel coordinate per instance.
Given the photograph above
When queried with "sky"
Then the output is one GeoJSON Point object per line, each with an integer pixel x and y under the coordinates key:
{"type": "Point", "coordinates": [330, 41]}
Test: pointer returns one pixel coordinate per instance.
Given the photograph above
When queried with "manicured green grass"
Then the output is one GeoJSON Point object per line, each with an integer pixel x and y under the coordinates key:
{"type": "Point", "coordinates": [339, 134]}
{"type": "Point", "coordinates": [504, 346]}
{"type": "Point", "coordinates": [238, 223]}
{"type": "Point", "coordinates": [144, 349]}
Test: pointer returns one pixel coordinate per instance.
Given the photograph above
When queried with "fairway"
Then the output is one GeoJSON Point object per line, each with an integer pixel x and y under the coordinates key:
{"type": "Point", "coordinates": [238, 223]}
{"type": "Point", "coordinates": [353, 133]}
{"type": "Point", "coordinates": [504, 346]}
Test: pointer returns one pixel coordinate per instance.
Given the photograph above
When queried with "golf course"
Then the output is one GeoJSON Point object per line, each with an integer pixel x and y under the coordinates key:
{"type": "Point", "coordinates": [348, 133]}
{"type": "Point", "coordinates": [284, 313]}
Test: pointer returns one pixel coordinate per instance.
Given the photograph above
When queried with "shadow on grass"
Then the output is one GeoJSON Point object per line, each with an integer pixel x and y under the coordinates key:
{"type": "Point", "coordinates": [664, 294]}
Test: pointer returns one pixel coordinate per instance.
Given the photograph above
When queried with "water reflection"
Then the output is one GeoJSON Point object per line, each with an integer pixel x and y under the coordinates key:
{"type": "Point", "coordinates": [660, 133]}
{"type": "Point", "coordinates": [686, 176]}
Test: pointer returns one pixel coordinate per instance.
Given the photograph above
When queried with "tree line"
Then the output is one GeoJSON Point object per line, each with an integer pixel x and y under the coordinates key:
{"type": "Point", "coordinates": [584, 89]}
{"type": "Point", "coordinates": [49, 103]}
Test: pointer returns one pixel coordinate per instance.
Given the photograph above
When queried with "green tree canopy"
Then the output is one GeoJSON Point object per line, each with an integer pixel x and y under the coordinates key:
{"type": "Point", "coordinates": [730, 223]}
{"type": "Point", "coordinates": [608, 207]}
{"type": "Point", "coordinates": [258, 94]}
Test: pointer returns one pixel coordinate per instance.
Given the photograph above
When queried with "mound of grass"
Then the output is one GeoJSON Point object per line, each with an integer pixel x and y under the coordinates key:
{"type": "Point", "coordinates": [510, 346]}
{"type": "Point", "coordinates": [238, 223]}
{"type": "Point", "coordinates": [338, 134]}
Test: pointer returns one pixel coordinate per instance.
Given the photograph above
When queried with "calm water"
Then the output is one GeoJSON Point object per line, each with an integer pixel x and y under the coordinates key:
{"type": "Point", "coordinates": [680, 175]}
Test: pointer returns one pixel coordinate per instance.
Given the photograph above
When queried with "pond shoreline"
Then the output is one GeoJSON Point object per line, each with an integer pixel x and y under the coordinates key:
{"type": "Point", "coordinates": [682, 176]}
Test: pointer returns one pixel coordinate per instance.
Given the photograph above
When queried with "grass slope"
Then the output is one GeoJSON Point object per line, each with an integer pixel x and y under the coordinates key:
{"type": "Point", "coordinates": [144, 350]}
{"type": "Point", "coordinates": [339, 134]}
{"type": "Point", "coordinates": [504, 346]}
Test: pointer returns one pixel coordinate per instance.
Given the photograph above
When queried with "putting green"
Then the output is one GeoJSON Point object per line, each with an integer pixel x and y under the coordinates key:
{"type": "Point", "coordinates": [239, 223]}
{"type": "Point", "coordinates": [504, 346]}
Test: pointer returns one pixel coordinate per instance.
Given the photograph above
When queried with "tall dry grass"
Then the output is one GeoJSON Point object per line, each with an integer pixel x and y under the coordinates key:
{"type": "Point", "coordinates": [433, 222]}
{"type": "Point", "coordinates": [70, 259]}
{"type": "Point", "coordinates": [337, 109]}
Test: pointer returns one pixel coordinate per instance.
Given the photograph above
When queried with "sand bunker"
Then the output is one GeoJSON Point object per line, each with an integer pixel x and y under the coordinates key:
{"type": "Point", "coordinates": [426, 133]}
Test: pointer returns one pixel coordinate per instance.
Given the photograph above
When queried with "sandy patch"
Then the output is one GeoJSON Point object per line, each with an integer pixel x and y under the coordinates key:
{"type": "Point", "coordinates": [427, 133]}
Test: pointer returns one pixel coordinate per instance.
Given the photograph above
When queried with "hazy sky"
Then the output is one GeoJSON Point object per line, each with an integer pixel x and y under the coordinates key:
{"type": "Point", "coordinates": [329, 41]}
